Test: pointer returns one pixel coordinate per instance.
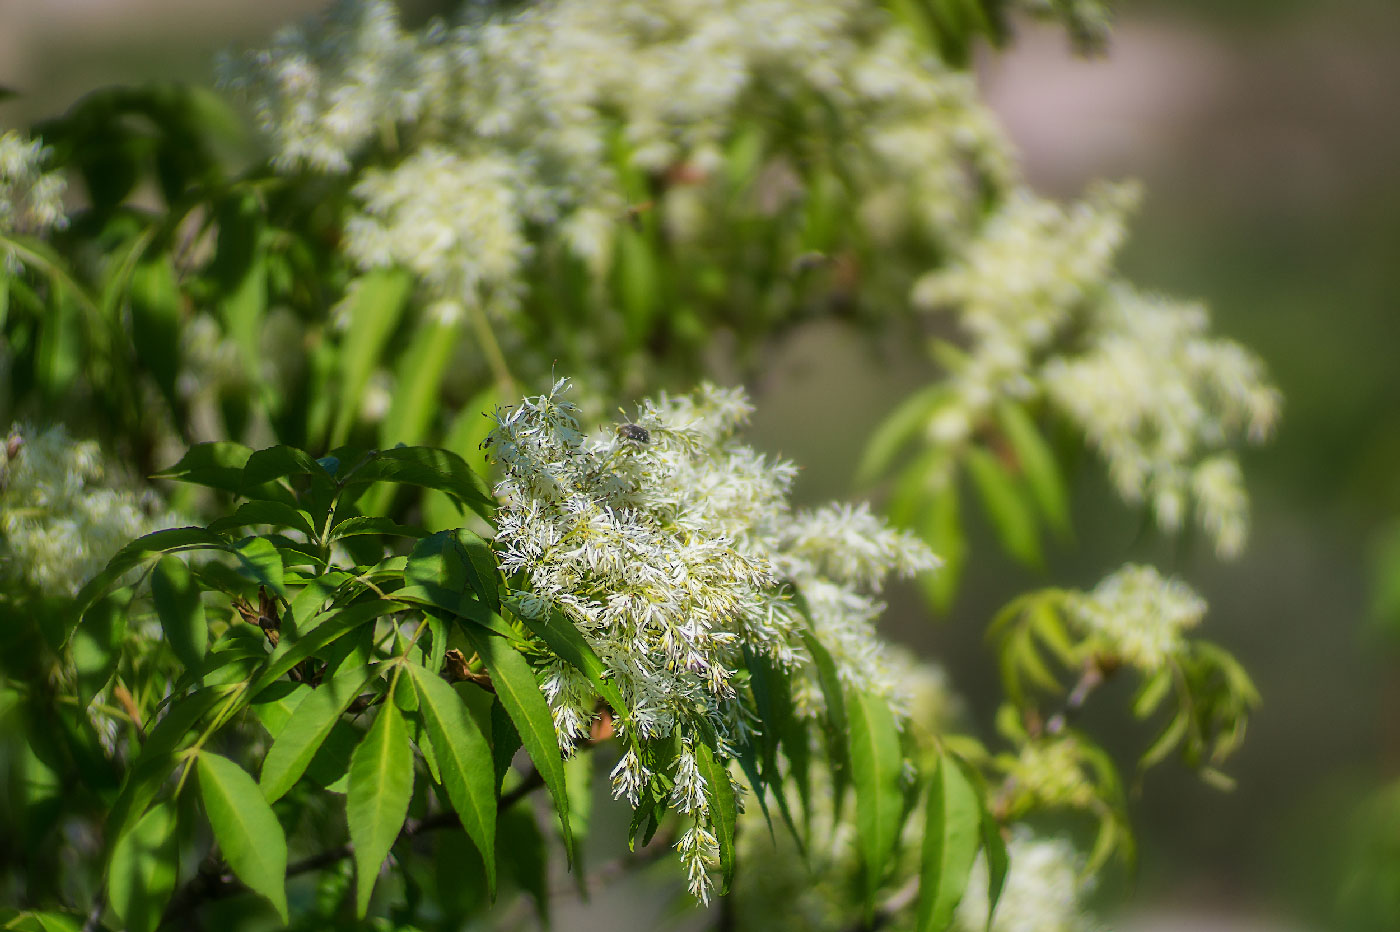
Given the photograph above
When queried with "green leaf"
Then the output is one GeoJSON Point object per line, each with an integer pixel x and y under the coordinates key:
{"type": "Point", "coordinates": [279, 462]}
{"type": "Point", "coordinates": [155, 321]}
{"type": "Point", "coordinates": [464, 759]}
{"type": "Point", "coordinates": [430, 468]}
{"type": "Point", "coordinates": [381, 784]}
{"type": "Point", "coordinates": [896, 430]}
{"type": "Point", "coordinates": [837, 729]}
{"type": "Point", "coordinates": [244, 308]}
{"type": "Point", "coordinates": [320, 631]}
{"type": "Point", "coordinates": [876, 767]}
{"type": "Point", "coordinates": [520, 696]}
{"type": "Point", "coordinates": [97, 643]}
{"type": "Point", "coordinates": [940, 525]}
{"type": "Point", "coordinates": [524, 857]}
{"type": "Point", "coordinates": [568, 642]}
{"type": "Point", "coordinates": [364, 524]}
{"type": "Point", "coordinates": [157, 759]}
{"type": "Point", "coordinates": [1153, 691]}
{"type": "Point", "coordinates": [145, 865]}
{"type": "Point", "coordinates": [217, 465]}
{"type": "Point", "coordinates": [1037, 464]}
{"type": "Point", "coordinates": [579, 770]}
{"type": "Point", "coordinates": [277, 704]}
{"type": "Point", "coordinates": [176, 596]}
{"type": "Point", "coordinates": [1006, 506]}
{"type": "Point", "coordinates": [259, 561]}
{"type": "Point", "coordinates": [723, 809]}
{"type": "Point", "coordinates": [249, 836]}
{"type": "Point", "coordinates": [299, 740]}
{"type": "Point", "coordinates": [952, 835]}
{"type": "Point", "coordinates": [32, 921]}
{"type": "Point", "coordinates": [275, 514]}
{"type": "Point", "coordinates": [418, 380]}
{"type": "Point", "coordinates": [140, 551]}
{"type": "Point", "coordinates": [375, 303]}
{"type": "Point", "coordinates": [637, 280]}
{"type": "Point", "coordinates": [481, 567]}
{"type": "Point", "coordinates": [998, 861]}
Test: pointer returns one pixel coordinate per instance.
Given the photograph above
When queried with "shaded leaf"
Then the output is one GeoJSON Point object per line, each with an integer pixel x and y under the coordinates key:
{"type": "Point", "coordinates": [217, 465]}
{"type": "Point", "coordinates": [143, 870]}
{"type": "Point", "coordinates": [1006, 507]}
{"type": "Point", "coordinates": [141, 550]}
{"type": "Point", "coordinates": [430, 468]}
{"type": "Point", "coordinates": [275, 514]}
{"type": "Point", "coordinates": [259, 561]}
{"type": "Point", "coordinates": [464, 759]}
{"type": "Point", "coordinates": [176, 597]}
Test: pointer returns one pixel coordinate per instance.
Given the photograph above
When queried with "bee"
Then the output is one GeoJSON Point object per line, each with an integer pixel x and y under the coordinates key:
{"type": "Point", "coordinates": [634, 432]}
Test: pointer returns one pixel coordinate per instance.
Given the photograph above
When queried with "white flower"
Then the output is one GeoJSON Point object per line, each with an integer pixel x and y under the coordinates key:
{"type": "Point", "coordinates": [670, 546]}
{"type": "Point", "coordinates": [59, 524]}
{"type": "Point", "coordinates": [31, 200]}
{"type": "Point", "coordinates": [1139, 616]}
{"type": "Point", "coordinates": [1042, 891]}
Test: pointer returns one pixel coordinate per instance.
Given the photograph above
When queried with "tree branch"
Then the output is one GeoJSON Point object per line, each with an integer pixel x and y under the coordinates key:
{"type": "Point", "coordinates": [212, 882]}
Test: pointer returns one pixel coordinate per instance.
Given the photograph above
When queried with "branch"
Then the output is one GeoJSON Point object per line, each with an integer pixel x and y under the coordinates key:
{"type": "Point", "coordinates": [213, 883]}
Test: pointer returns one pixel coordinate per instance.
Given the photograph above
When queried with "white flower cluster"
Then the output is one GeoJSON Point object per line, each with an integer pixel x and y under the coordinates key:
{"type": "Point", "coordinates": [529, 115]}
{"type": "Point", "coordinates": [59, 524]}
{"type": "Point", "coordinates": [1018, 284]}
{"type": "Point", "coordinates": [669, 544]}
{"type": "Point", "coordinates": [31, 199]}
{"type": "Point", "coordinates": [1161, 399]}
{"type": "Point", "coordinates": [323, 90]}
{"type": "Point", "coordinates": [1141, 377]}
{"type": "Point", "coordinates": [1138, 615]}
{"type": "Point", "coordinates": [1042, 893]}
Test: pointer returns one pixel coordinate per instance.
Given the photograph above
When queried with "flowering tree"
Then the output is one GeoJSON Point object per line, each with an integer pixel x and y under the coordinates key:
{"type": "Point", "coordinates": [368, 647]}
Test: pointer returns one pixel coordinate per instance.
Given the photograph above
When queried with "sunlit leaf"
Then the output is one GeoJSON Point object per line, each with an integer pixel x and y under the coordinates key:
{"type": "Point", "coordinates": [249, 836]}
{"type": "Point", "coordinates": [522, 700]}
{"type": "Point", "coordinates": [876, 767]}
{"type": "Point", "coordinates": [299, 740]}
{"type": "Point", "coordinates": [952, 835]}
{"type": "Point", "coordinates": [381, 783]}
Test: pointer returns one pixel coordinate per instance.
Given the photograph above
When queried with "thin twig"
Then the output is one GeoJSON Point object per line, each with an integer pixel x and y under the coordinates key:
{"type": "Point", "coordinates": [214, 883]}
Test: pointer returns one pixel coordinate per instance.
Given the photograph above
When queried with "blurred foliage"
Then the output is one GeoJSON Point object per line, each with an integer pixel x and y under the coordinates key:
{"type": "Point", "coordinates": [201, 308]}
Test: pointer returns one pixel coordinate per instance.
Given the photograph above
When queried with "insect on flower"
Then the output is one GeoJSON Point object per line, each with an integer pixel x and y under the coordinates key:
{"type": "Point", "coordinates": [634, 432]}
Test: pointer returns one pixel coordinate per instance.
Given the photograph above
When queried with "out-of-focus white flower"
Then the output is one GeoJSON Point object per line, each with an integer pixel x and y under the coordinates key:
{"type": "Point", "coordinates": [1161, 399]}
{"type": "Point", "coordinates": [530, 115]}
{"type": "Point", "coordinates": [31, 199]}
{"type": "Point", "coordinates": [324, 89]}
{"type": "Point", "coordinates": [1140, 616]}
{"type": "Point", "coordinates": [455, 222]}
{"type": "Point", "coordinates": [1042, 892]}
{"type": "Point", "coordinates": [58, 523]}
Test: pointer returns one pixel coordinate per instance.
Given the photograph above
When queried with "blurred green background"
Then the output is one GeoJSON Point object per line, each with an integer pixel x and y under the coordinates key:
{"type": "Point", "coordinates": [1267, 134]}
